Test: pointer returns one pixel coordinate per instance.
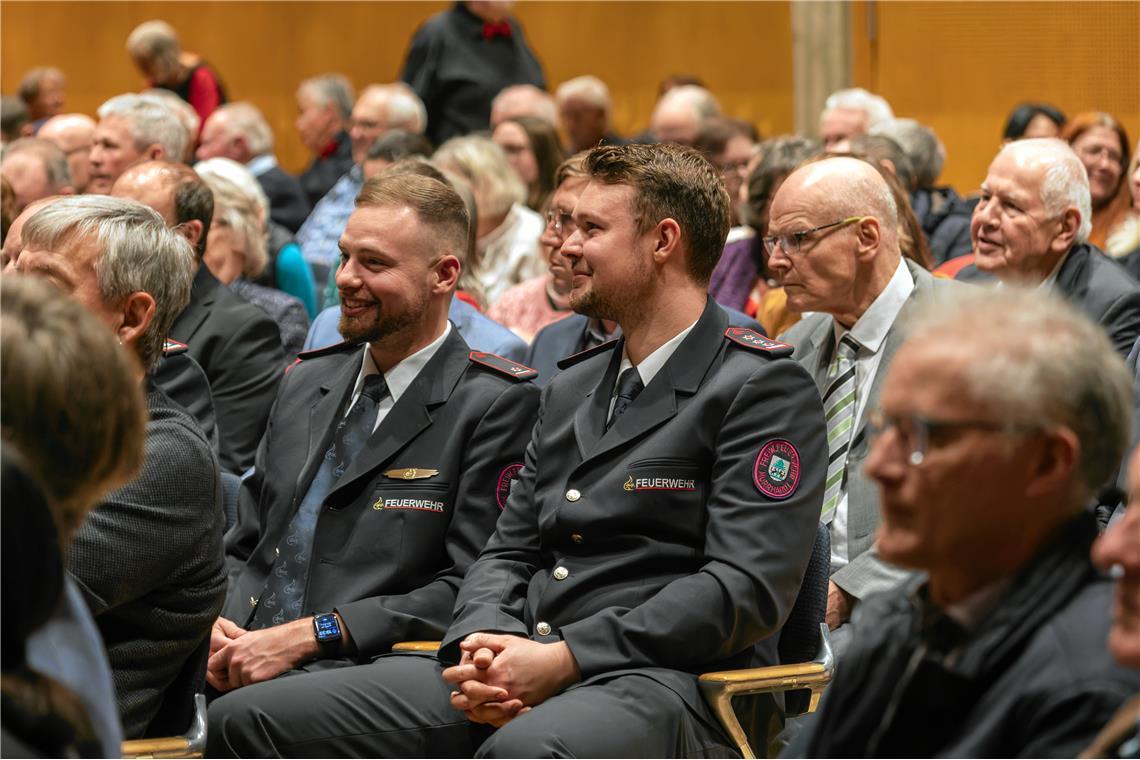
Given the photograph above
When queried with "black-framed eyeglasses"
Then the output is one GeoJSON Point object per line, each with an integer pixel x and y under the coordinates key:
{"type": "Point", "coordinates": [916, 432]}
{"type": "Point", "coordinates": [560, 221]}
{"type": "Point", "coordinates": [790, 242]}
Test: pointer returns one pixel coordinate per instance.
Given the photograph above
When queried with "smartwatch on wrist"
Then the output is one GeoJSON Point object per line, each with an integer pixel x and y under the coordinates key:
{"type": "Point", "coordinates": [326, 630]}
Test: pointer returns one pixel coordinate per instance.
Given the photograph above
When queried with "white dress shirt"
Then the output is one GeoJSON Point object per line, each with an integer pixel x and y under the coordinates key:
{"type": "Point", "coordinates": [398, 378]}
{"type": "Point", "coordinates": [871, 332]}
{"type": "Point", "coordinates": [651, 364]}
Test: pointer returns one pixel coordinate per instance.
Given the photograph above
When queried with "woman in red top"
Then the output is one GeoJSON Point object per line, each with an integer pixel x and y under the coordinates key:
{"type": "Point", "coordinates": [155, 49]}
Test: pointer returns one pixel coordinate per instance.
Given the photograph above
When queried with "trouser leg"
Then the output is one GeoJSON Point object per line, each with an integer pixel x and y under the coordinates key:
{"type": "Point", "coordinates": [396, 706]}
{"type": "Point", "coordinates": [627, 716]}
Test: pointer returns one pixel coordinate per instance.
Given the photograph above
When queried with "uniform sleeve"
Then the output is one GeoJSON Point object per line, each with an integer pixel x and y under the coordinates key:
{"type": "Point", "coordinates": [134, 541]}
{"type": "Point", "coordinates": [493, 595]}
{"type": "Point", "coordinates": [757, 545]}
{"type": "Point", "coordinates": [244, 383]}
{"type": "Point", "coordinates": [376, 623]}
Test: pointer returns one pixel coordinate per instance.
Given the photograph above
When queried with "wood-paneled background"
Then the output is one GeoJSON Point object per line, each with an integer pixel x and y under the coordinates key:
{"type": "Point", "coordinates": [957, 66]}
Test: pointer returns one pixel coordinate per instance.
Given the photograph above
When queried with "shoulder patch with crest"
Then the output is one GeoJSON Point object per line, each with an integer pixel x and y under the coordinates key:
{"type": "Point", "coordinates": [171, 347]}
{"type": "Point", "coordinates": [573, 359]}
{"type": "Point", "coordinates": [502, 365]}
{"type": "Point", "coordinates": [742, 336]}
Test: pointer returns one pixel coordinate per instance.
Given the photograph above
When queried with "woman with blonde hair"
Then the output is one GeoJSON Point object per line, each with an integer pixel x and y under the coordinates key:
{"type": "Point", "coordinates": [507, 232]}
{"type": "Point", "coordinates": [236, 253]}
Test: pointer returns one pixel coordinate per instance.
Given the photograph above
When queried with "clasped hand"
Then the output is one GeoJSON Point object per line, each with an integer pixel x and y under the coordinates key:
{"type": "Point", "coordinates": [500, 677]}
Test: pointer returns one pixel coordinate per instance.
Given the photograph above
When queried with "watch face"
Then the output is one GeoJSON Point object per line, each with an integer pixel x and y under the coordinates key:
{"type": "Point", "coordinates": [326, 628]}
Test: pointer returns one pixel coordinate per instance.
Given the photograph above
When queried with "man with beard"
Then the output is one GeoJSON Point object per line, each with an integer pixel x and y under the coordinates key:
{"type": "Point", "coordinates": [660, 527]}
{"type": "Point", "coordinates": [385, 463]}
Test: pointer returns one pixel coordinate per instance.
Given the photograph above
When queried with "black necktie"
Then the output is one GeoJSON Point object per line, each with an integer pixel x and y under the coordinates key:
{"type": "Point", "coordinates": [284, 594]}
{"type": "Point", "coordinates": [628, 387]}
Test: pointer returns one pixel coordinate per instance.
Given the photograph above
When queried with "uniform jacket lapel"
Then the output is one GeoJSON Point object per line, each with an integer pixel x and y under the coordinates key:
{"type": "Point", "coordinates": [590, 415]}
{"type": "Point", "coordinates": [409, 416]}
{"type": "Point", "coordinates": [323, 415]}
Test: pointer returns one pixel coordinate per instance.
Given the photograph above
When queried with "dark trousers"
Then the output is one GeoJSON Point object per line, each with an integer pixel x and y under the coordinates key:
{"type": "Point", "coordinates": [398, 706]}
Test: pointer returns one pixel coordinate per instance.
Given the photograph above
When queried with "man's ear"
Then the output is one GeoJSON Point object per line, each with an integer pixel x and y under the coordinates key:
{"type": "Point", "coordinates": [137, 313]}
{"type": "Point", "coordinates": [192, 231]}
{"type": "Point", "coordinates": [1067, 234]}
{"type": "Point", "coordinates": [155, 152]}
{"type": "Point", "coordinates": [667, 240]}
{"type": "Point", "coordinates": [447, 274]}
{"type": "Point", "coordinates": [1054, 462]}
{"type": "Point", "coordinates": [869, 235]}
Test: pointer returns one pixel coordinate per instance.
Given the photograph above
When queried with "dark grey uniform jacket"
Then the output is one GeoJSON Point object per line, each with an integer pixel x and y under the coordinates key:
{"type": "Point", "coordinates": [239, 347]}
{"type": "Point", "coordinates": [149, 562]}
{"type": "Point", "coordinates": [388, 553]}
{"type": "Point", "coordinates": [652, 548]}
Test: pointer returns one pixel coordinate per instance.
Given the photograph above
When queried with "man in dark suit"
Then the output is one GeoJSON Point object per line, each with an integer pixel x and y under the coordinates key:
{"type": "Point", "coordinates": [851, 277]}
{"type": "Point", "coordinates": [324, 106]}
{"type": "Point", "coordinates": [239, 132]}
{"type": "Point", "coordinates": [460, 58]}
{"type": "Point", "coordinates": [376, 547]}
{"type": "Point", "coordinates": [149, 558]}
{"type": "Point", "coordinates": [660, 527]}
{"type": "Point", "coordinates": [237, 345]}
{"type": "Point", "coordinates": [1031, 228]}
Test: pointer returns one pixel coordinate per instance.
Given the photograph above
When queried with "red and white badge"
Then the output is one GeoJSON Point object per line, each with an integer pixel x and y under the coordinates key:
{"type": "Point", "coordinates": [777, 470]}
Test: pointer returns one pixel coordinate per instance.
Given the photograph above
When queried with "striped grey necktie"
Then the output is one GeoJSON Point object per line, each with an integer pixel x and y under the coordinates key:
{"type": "Point", "coordinates": [839, 407]}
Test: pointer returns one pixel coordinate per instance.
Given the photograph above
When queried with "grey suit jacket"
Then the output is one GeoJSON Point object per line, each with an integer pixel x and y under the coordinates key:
{"type": "Point", "coordinates": [813, 337]}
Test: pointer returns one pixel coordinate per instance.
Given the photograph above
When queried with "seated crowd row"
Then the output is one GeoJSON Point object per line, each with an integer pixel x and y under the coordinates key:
{"type": "Point", "coordinates": [536, 418]}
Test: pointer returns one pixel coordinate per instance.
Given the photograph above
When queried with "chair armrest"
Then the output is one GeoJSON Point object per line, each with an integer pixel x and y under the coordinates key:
{"type": "Point", "coordinates": [720, 687]}
{"type": "Point", "coordinates": [416, 646]}
{"type": "Point", "coordinates": [190, 744]}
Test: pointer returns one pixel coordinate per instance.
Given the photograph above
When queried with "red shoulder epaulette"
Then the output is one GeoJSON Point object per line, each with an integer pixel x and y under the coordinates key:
{"type": "Point", "coordinates": [573, 359]}
{"type": "Point", "coordinates": [503, 366]}
{"type": "Point", "coordinates": [171, 347]}
{"type": "Point", "coordinates": [335, 348]}
{"type": "Point", "coordinates": [742, 336]}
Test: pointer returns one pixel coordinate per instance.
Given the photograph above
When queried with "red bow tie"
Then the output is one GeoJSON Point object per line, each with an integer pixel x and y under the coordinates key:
{"type": "Point", "coordinates": [491, 31]}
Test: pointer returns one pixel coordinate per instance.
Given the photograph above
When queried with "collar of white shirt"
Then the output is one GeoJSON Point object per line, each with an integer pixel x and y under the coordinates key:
{"type": "Point", "coordinates": [400, 376]}
{"type": "Point", "coordinates": [261, 164]}
{"type": "Point", "coordinates": [653, 363]}
{"type": "Point", "coordinates": [871, 329]}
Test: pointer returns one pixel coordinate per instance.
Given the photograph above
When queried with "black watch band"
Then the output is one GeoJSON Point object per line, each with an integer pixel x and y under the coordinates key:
{"type": "Point", "coordinates": [327, 632]}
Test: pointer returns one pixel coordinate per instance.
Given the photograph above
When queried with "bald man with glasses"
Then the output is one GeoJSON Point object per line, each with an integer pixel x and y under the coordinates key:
{"type": "Point", "coordinates": [834, 246]}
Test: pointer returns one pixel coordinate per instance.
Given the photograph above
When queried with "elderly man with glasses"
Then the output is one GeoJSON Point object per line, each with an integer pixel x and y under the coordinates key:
{"type": "Point", "coordinates": [1002, 413]}
{"type": "Point", "coordinates": [834, 245]}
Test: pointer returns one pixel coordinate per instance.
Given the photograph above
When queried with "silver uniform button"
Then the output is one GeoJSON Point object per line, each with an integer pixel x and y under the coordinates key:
{"type": "Point", "coordinates": [542, 629]}
{"type": "Point", "coordinates": [576, 538]}
{"type": "Point", "coordinates": [253, 601]}
{"type": "Point", "coordinates": [573, 495]}
{"type": "Point", "coordinates": [561, 573]}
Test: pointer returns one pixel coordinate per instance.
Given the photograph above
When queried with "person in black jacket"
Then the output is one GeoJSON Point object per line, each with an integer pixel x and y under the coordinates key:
{"type": "Point", "coordinates": [235, 342]}
{"type": "Point", "coordinates": [460, 59]}
{"type": "Point", "coordinates": [370, 541]}
{"type": "Point", "coordinates": [1000, 416]}
{"type": "Point", "coordinates": [1031, 227]}
{"type": "Point", "coordinates": [239, 132]}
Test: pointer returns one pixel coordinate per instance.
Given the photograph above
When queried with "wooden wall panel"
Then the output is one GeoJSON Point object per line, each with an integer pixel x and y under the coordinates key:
{"type": "Point", "coordinates": [961, 67]}
{"type": "Point", "coordinates": [263, 49]}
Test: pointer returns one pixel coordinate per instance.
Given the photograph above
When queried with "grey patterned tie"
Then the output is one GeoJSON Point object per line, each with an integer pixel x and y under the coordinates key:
{"type": "Point", "coordinates": [839, 408]}
{"type": "Point", "coordinates": [628, 387]}
{"type": "Point", "coordinates": [284, 594]}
